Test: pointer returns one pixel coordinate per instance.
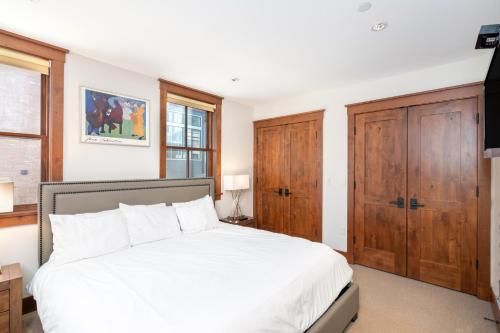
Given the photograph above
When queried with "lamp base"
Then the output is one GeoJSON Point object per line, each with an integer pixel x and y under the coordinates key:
{"type": "Point", "coordinates": [237, 218]}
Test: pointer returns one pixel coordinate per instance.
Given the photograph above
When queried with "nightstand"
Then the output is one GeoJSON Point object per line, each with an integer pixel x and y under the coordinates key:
{"type": "Point", "coordinates": [250, 222]}
{"type": "Point", "coordinates": [11, 299]}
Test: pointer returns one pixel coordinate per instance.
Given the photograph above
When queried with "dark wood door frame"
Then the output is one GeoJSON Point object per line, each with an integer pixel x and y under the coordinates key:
{"type": "Point", "coordinates": [291, 119]}
{"type": "Point", "coordinates": [473, 90]}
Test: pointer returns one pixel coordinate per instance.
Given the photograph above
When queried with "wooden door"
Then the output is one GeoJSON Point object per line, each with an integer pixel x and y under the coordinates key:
{"type": "Point", "coordinates": [270, 177]}
{"type": "Point", "coordinates": [288, 155]}
{"type": "Point", "coordinates": [442, 176]}
{"type": "Point", "coordinates": [302, 197]}
{"type": "Point", "coordinates": [380, 179]}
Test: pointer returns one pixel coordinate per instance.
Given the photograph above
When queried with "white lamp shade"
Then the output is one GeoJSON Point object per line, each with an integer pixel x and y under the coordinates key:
{"type": "Point", "coordinates": [236, 182]}
{"type": "Point", "coordinates": [6, 195]}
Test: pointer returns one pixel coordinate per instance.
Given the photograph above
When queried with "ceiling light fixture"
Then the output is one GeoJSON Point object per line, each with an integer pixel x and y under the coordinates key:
{"type": "Point", "coordinates": [235, 79]}
{"type": "Point", "coordinates": [379, 26]}
{"type": "Point", "coordinates": [364, 7]}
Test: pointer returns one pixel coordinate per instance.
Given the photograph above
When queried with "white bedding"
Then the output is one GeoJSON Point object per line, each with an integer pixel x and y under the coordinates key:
{"type": "Point", "coordinates": [228, 279]}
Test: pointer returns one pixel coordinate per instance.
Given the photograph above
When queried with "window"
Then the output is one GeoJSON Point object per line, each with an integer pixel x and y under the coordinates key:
{"type": "Point", "coordinates": [186, 125]}
{"type": "Point", "coordinates": [22, 131]}
{"type": "Point", "coordinates": [190, 133]}
{"type": "Point", "coordinates": [31, 107]}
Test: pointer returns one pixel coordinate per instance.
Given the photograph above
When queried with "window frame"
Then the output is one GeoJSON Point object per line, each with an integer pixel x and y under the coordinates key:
{"type": "Point", "coordinates": [52, 118]}
{"type": "Point", "coordinates": [214, 121]}
{"type": "Point", "coordinates": [186, 130]}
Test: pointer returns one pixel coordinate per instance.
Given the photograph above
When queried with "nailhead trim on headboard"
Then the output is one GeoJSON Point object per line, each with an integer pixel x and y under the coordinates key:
{"type": "Point", "coordinates": [197, 182]}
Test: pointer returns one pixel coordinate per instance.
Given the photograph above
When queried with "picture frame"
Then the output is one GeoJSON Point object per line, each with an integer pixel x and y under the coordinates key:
{"type": "Point", "coordinates": [114, 119]}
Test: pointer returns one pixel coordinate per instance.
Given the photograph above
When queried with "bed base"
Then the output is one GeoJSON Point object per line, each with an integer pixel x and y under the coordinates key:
{"type": "Point", "coordinates": [340, 314]}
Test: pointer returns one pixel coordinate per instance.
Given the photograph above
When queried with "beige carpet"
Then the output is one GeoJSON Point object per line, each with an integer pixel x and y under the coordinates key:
{"type": "Point", "coordinates": [390, 303]}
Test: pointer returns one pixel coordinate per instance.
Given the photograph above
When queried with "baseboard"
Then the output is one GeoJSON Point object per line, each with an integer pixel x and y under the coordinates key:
{"type": "Point", "coordinates": [484, 292]}
{"type": "Point", "coordinates": [347, 255]}
{"type": "Point", "coordinates": [495, 309]}
{"type": "Point", "coordinates": [29, 305]}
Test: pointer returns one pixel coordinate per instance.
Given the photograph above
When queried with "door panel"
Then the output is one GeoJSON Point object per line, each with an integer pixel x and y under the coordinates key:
{"type": "Point", "coordinates": [302, 209]}
{"type": "Point", "coordinates": [270, 170]}
{"type": "Point", "coordinates": [442, 176]}
{"type": "Point", "coordinates": [380, 176]}
{"type": "Point", "coordinates": [289, 156]}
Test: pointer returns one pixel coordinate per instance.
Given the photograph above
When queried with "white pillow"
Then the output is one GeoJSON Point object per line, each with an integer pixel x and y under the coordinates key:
{"type": "Point", "coordinates": [150, 223]}
{"type": "Point", "coordinates": [82, 236]}
{"type": "Point", "coordinates": [193, 218]}
{"type": "Point", "coordinates": [209, 210]}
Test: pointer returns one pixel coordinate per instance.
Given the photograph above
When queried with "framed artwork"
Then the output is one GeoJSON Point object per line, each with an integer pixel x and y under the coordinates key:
{"type": "Point", "coordinates": [110, 118]}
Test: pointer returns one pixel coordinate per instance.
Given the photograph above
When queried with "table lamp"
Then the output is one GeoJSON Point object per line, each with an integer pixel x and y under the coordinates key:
{"type": "Point", "coordinates": [235, 184]}
{"type": "Point", "coordinates": [6, 195]}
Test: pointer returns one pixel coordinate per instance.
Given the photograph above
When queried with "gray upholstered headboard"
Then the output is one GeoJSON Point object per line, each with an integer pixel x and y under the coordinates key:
{"type": "Point", "coordinates": [96, 196]}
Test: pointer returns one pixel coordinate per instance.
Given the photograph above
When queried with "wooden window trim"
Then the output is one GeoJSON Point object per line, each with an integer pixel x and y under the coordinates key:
{"type": "Point", "coordinates": [472, 90]}
{"type": "Point", "coordinates": [52, 115]}
{"type": "Point", "coordinates": [189, 148]}
{"type": "Point", "coordinates": [22, 215]}
{"type": "Point", "coordinates": [214, 124]}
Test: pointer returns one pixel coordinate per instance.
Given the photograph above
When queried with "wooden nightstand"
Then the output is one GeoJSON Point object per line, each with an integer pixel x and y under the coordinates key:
{"type": "Point", "coordinates": [11, 281]}
{"type": "Point", "coordinates": [250, 222]}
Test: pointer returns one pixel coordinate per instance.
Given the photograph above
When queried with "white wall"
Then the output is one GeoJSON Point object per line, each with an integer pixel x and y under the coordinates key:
{"type": "Point", "coordinates": [86, 161]}
{"type": "Point", "coordinates": [19, 244]}
{"type": "Point", "coordinates": [495, 225]}
{"type": "Point", "coordinates": [237, 152]}
{"type": "Point", "coordinates": [335, 126]}
{"type": "Point", "coordinates": [83, 161]}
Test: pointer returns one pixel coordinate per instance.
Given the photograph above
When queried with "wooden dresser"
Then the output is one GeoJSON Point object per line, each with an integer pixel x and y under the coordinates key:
{"type": "Point", "coordinates": [11, 299]}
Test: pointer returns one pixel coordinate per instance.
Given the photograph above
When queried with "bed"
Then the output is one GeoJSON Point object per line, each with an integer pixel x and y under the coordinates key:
{"type": "Point", "coordinates": [227, 279]}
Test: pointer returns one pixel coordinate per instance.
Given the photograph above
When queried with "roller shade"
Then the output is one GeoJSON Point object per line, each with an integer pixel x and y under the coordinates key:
{"type": "Point", "coordinates": [192, 103]}
{"type": "Point", "coordinates": [22, 60]}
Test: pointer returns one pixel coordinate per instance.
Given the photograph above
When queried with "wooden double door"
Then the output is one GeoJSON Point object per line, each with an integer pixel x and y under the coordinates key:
{"type": "Point", "coordinates": [287, 175]}
{"type": "Point", "coordinates": [415, 197]}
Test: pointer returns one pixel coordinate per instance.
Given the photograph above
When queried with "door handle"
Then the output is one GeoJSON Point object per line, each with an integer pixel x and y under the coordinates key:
{"type": "Point", "coordinates": [287, 192]}
{"type": "Point", "coordinates": [414, 204]}
{"type": "Point", "coordinates": [399, 202]}
{"type": "Point", "coordinates": [279, 191]}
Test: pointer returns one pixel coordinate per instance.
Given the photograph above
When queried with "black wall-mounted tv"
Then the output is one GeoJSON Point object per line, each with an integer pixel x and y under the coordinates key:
{"type": "Point", "coordinates": [492, 107]}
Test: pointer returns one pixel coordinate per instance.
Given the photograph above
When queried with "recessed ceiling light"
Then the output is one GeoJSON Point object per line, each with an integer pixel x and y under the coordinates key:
{"type": "Point", "coordinates": [379, 26]}
{"type": "Point", "coordinates": [235, 79]}
{"type": "Point", "coordinates": [364, 7]}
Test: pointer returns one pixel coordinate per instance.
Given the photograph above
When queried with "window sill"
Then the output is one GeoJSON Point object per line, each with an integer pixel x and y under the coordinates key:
{"type": "Point", "coordinates": [22, 215]}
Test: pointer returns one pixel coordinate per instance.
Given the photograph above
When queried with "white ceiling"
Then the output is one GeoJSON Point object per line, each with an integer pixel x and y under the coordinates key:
{"type": "Point", "coordinates": [276, 47]}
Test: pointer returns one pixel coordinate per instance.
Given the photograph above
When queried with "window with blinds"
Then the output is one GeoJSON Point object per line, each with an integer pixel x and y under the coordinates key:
{"type": "Point", "coordinates": [190, 132]}
{"type": "Point", "coordinates": [187, 137]}
{"type": "Point", "coordinates": [23, 126]}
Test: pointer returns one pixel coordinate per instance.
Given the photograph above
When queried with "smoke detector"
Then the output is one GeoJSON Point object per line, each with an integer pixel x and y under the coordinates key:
{"type": "Point", "coordinates": [379, 26]}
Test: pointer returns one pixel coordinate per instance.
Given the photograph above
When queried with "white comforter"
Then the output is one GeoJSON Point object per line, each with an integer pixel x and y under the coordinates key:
{"type": "Point", "coordinates": [229, 279]}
